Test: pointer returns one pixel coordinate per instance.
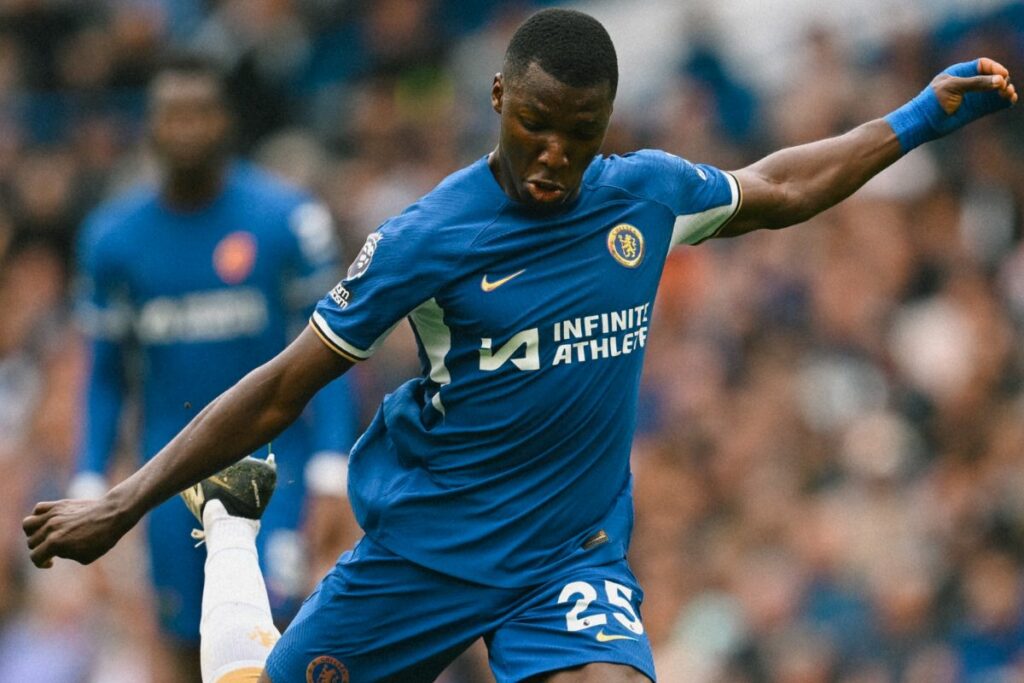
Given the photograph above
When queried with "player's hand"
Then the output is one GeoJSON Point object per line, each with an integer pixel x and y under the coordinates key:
{"type": "Point", "coordinates": [79, 530]}
{"type": "Point", "coordinates": [988, 76]}
{"type": "Point", "coordinates": [962, 93]}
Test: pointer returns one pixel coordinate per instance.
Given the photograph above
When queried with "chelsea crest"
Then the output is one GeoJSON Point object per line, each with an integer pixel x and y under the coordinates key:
{"type": "Point", "coordinates": [626, 243]}
{"type": "Point", "coordinates": [326, 669]}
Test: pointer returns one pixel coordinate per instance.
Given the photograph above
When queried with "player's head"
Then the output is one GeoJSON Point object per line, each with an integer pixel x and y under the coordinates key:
{"type": "Point", "coordinates": [189, 120]}
{"type": "Point", "coordinates": [555, 97]}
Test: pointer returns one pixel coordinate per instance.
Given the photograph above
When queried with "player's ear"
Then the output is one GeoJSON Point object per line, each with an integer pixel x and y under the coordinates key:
{"type": "Point", "coordinates": [497, 92]}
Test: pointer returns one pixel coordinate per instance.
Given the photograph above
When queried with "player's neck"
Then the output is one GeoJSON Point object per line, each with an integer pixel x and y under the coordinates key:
{"type": "Point", "coordinates": [192, 189]}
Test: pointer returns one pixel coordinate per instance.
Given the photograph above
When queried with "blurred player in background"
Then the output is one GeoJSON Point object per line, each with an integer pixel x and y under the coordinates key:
{"type": "Point", "coordinates": [189, 285]}
{"type": "Point", "coordinates": [494, 489]}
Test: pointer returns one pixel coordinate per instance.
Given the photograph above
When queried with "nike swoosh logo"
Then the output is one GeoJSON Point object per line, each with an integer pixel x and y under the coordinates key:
{"type": "Point", "coordinates": [491, 286]}
{"type": "Point", "coordinates": [603, 637]}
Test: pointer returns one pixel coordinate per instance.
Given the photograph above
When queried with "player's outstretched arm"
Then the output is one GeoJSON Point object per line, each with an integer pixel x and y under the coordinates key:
{"type": "Point", "coordinates": [793, 184]}
{"type": "Point", "coordinates": [236, 423]}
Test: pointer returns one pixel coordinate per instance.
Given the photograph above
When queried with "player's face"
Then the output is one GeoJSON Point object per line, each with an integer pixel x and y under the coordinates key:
{"type": "Point", "coordinates": [189, 122]}
{"type": "Point", "coordinates": [550, 132]}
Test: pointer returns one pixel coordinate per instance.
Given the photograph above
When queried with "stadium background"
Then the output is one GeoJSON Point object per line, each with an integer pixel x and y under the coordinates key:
{"type": "Point", "coordinates": [830, 462]}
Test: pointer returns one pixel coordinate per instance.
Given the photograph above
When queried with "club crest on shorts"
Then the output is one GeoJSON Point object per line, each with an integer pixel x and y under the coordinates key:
{"type": "Point", "coordinates": [364, 258]}
{"type": "Point", "coordinates": [626, 243]}
{"type": "Point", "coordinates": [234, 257]}
{"type": "Point", "coordinates": [326, 669]}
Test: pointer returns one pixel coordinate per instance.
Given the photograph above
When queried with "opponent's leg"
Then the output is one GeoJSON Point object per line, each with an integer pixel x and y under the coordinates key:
{"type": "Point", "coordinates": [237, 630]}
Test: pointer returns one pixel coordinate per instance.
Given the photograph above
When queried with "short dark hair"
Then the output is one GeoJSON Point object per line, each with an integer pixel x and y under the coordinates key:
{"type": "Point", "coordinates": [571, 46]}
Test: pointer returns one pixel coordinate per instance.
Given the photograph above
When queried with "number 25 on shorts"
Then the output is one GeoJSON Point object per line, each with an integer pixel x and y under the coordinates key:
{"type": "Point", "coordinates": [618, 595]}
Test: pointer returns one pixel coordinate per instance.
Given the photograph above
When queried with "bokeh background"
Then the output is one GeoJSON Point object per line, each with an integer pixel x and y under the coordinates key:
{"type": "Point", "coordinates": [830, 461]}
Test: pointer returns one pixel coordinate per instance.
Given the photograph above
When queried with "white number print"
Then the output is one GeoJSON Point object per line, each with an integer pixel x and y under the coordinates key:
{"type": "Point", "coordinates": [572, 618]}
{"type": "Point", "coordinates": [622, 597]}
{"type": "Point", "coordinates": [618, 595]}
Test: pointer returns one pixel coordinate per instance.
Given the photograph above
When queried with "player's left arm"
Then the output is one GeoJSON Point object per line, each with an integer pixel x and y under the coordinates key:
{"type": "Point", "coordinates": [794, 184]}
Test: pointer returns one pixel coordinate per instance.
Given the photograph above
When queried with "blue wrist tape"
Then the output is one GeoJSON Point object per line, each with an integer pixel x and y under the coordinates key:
{"type": "Point", "coordinates": [922, 119]}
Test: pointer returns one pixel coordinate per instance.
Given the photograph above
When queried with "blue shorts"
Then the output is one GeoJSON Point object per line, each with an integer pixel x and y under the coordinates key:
{"type": "Point", "coordinates": [380, 618]}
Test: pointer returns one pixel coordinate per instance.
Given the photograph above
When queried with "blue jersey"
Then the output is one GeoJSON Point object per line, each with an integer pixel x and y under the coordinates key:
{"type": "Point", "coordinates": [509, 457]}
{"type": "Point", "coordinates": [194, 300]}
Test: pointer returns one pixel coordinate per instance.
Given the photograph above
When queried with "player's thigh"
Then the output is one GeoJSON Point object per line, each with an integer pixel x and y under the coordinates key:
{"type": "Point", "coordinates": [582, 624]}
{"type": "Point", "coordinates": [377, 617]}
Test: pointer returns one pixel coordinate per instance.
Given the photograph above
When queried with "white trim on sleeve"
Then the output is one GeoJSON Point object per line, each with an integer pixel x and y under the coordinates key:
{"type": "Point", "coordinates": [340, 344]}
{"type": "Point", "coordinates": [693, 228]}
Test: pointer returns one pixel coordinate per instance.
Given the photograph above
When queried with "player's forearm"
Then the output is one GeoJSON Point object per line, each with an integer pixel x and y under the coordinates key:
{"type": "Point", "coordinates": [797, 183]}
{"type": "Point", "coordinates": [794, 184]}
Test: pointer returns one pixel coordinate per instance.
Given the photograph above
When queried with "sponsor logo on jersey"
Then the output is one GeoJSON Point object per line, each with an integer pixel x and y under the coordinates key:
{"type": "Point", "coordinates": [364, 258]}
{"type": "Point", "coordinates": [340, 295]}
{"type": "Point", "coordinates": [491, 359]}
{"type": "Point", "coordinates": [326, 669]}
{"type": "Point", "coordinates": [626, 244]}
{"type": "Point", "coordinates": [216, 315]}
{"type": "Point", "coordinates": [603, 335]}
{"type": "Point", "coordinates": [580, 340]}
{"type": "Point", "coordinates": [234, 257]}
{"type": "Point", "coordinates": [489, 286]}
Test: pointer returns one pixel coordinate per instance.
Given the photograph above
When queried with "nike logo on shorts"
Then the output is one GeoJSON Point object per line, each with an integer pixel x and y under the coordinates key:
{"type": "Point", "coordinates": [603, 637]}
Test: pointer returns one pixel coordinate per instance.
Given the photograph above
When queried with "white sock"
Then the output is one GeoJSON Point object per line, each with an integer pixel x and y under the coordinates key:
{"type": "Point", "coordinates": [237, 631]}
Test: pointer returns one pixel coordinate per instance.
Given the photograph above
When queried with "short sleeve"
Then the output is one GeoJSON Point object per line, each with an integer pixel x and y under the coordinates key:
{"type": "Point", "coordinates": [396, 270]}
{"type": "Point", "coordinates": [702, 197]}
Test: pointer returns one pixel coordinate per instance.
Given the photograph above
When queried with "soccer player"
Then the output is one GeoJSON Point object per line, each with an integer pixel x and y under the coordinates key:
{"type": "Point", "coordinates": [494, 489]}
{"type": "Point", "coordinates": [195, 282]}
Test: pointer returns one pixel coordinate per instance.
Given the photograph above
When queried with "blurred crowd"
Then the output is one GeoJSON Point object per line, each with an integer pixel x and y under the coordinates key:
{"type": "Point", "coordinates": [831, 429]}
